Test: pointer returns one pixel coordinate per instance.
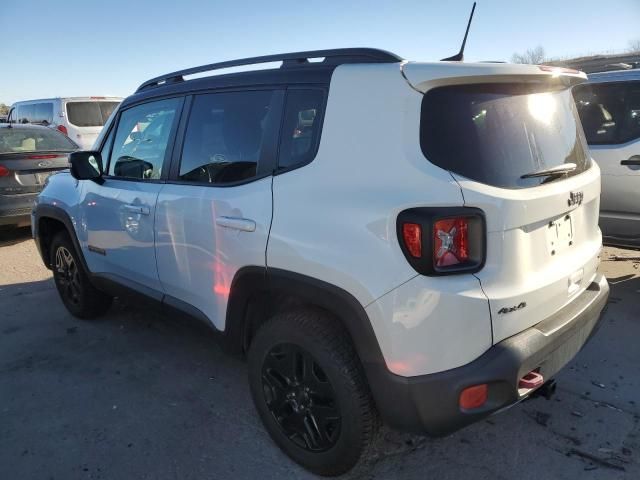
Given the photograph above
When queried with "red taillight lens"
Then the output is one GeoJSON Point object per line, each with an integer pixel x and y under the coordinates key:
{"type": "Point", "coordinates": [63, 129]}
{"type": "Point", "coordinates": [41, 157]}
{"type": "Point", "coordinates": [4, 171]}
{"type": "Point", "coordinates": [450, 241]}
{"type": "Point", "coordinates": [412, 236]}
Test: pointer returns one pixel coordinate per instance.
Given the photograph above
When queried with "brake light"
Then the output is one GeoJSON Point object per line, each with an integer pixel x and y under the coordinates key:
{"type": "Point", "coordinates": [41, 157]}
{"type": "Point", "coordinates": [63, 129]}
{"type": "Point", "coordinates": [4, 171]}
{"type": "Point", "coordinates": [412, 236]}
{"type": "Point", "coordinates": [451, 241]}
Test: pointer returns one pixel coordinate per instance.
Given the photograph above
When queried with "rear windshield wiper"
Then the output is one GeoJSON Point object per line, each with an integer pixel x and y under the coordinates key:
{"type": "Point", "coordinates": [563, 169]}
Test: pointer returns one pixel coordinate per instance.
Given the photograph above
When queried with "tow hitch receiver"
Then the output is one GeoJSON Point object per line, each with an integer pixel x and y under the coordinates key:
{"type": "Point", "coordinates": [529, 382]}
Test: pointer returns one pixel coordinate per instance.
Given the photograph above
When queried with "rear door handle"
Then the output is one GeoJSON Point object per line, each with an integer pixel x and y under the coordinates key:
{"type": "Point", "coordinates": [236, 223]}
{"type": "Point", "coordinates": [635, 160]}
{"type": "Point", "coordinates": [139, 209]}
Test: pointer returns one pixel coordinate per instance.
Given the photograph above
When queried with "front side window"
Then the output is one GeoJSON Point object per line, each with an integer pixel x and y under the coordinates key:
{"type": "Point", "coordinates": [301, 127]}
{"type": "Point", "coordinates": [90, 114]}
{"type": "Point", "coordinates": [498, 134]}
{"type": "Point", "coordinates": [610, 112]}
{"type": "Point", "coordinates": [141, 140]}
{"type": "Point", "coordinates": [225, 137]}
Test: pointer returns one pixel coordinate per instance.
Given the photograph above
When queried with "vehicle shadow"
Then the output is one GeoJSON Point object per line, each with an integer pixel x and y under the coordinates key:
{"type": "Point", "coordinates": [11, 236]}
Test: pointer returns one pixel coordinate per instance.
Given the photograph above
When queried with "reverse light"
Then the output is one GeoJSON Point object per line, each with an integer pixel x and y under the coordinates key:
{"type": "Point", "coordinates": [63, 129]}
{"type": "Point", "coordinates": [4, 171]}
{"type": "Point", "coordinates": [474, 397]}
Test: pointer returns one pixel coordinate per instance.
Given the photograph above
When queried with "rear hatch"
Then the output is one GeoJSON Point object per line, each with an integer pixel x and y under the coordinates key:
{"type": "Point", "coordinates": [87, 117]}
{"type": "Point", "coordinates": [28, 155]}
{"type": "Point", "coordinates": [499, 131]}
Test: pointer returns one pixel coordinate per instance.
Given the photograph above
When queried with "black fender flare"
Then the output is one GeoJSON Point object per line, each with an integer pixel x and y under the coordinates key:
{"type": "Point", "coordinates": [43, 210]}
{"type": "Point", "coordinates": [389, 390]}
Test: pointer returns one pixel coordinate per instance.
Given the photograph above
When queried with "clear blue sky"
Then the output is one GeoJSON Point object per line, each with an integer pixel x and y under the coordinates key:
{"type": "Point", "coordinates": [99, 47]}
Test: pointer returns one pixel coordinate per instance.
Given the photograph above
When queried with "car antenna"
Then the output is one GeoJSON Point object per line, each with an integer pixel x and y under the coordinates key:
{"type": "Point", "coordinates": [458, 57]}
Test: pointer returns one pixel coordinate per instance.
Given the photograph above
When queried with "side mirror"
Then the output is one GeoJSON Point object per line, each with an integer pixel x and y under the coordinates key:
{"type": "Point", "coordinates": [86, 166]}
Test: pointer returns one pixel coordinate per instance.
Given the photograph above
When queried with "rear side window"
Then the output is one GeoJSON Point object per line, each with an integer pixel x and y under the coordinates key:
{"type": "Point", "coordinates": [226, 135]}
{"type": "Point", "coordinates": [301, 127]}
{"type": "Point", "coordinates": [610, 112]}
{"type": "Point", "coordinates": [43, 113]}
{"type": "Point", "coordinates": [89, 114]}
{"type": "Point", "coordinates": [496, 133]}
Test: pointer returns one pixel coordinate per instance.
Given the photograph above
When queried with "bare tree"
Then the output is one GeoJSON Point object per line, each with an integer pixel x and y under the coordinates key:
{"type": "Point", "coordinates": [4, 109]}
{"type": "Point", "coordinates": [533, 56]}
{"type": "Point", "coordinates": [634, 45]}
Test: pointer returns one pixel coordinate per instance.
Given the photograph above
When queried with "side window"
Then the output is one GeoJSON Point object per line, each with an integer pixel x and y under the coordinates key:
{"type": "Point", "coordinates": [27, 112]}
{"type": "Point", "coordinates": [301, 127]}
{"type": "Point", "coordinates": [141, 139]}
{"type": "Point", "coordinates": [225, 136]}
{"type": "Point", "coordinates": [43, 113]}
{"type": "Point", "coordinates": [609, 112]}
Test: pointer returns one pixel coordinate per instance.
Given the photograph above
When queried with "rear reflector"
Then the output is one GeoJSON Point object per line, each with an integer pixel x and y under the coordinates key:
{"type": "Point", "coordinates": [412, 236]}
{"type": "Point", "coordinates": [4, 171]}
{"type": "Point", "coordinates": [474, 397]}
{"type": "Point", "coordinates": [531, 380]}
{"type": "Point", "coordinates": [450, 242]}
{"type": "Point", "coordinates": [63, 129]}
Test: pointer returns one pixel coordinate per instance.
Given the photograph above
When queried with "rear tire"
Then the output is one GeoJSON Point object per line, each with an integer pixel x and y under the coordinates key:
{"type": "Point", "coordinates": [77, 293]}
{"type": "Point", "coordinates": [311, 393]}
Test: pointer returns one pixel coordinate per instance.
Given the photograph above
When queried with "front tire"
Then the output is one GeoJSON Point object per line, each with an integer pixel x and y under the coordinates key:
{"type": "Point", "coordinates": [77, 293]}
{"type": "Point", "coordinates": [310, 392]}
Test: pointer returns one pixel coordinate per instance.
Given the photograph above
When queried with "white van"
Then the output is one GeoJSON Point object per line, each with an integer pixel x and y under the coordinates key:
{"type": "Point", "coordinates": [80, 118]}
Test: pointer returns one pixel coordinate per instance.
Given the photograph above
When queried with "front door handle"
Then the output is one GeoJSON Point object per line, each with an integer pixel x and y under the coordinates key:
{"type": "Point", "coordinates": [139, 209]}
{"type": "Point", "coordinates": [635, 160]}
{"type": "Point", "coordinates": [236, 223]}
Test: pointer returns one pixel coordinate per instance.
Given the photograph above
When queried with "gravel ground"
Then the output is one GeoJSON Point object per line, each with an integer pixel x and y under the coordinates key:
{"type": "Point", "coordinates": [138, 394]}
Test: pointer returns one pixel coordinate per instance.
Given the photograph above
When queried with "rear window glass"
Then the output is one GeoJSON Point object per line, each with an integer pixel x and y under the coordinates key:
{"type": "Point", "coordinates": [89, 114]}
{"type": "Point", "coordinates": [301, 127]}
{"type": "Point", "coordinates": [496, 133]}
{"type": "Point", "coordinates": [16, 140]}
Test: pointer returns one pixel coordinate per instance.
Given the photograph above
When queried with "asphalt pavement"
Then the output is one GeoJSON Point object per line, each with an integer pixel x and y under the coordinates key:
{"type": "Point", "coordinates": [140, 394]}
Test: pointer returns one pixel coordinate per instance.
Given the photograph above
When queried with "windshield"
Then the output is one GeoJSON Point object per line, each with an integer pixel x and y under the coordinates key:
{"type": "Point", "coordinates": [89, 114]}
{"type": "Point", "coordinates": [496, 133]}
{"type": "Point", "coordinates": [16, 140]}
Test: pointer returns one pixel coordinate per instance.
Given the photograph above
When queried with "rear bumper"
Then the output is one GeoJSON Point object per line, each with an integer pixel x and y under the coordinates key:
{"type": "Point", "coordinates": [429, 403]}
{"type": "Point", "coordinates": [16, 209]}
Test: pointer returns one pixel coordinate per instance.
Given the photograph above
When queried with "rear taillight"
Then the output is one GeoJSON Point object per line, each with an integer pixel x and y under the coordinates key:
{"type": "Point", "coordinates": [63, 129]}
{"type": "Point", "coordinates": [443, 241]}
{"type": "Point", "coordinates": [451, 242]}
{"type": "Point", "coordinates": [4, 171]}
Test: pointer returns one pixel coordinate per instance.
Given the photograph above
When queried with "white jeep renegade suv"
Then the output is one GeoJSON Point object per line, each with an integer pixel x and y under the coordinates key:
{"type": "Point", "coordinates": [415, 243]}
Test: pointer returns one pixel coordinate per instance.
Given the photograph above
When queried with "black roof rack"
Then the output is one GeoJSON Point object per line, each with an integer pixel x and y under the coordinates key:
{"type": "Point", "coordinates": [331, 57]}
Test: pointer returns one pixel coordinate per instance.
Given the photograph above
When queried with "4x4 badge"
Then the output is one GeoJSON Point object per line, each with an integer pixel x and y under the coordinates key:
{"type": "Point", "coordinates": [520, 306]}
{"type": "Point", "coordinates": [575, 198]}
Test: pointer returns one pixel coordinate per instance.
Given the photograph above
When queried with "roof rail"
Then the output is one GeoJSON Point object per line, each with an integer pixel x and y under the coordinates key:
{"type": "Point", "coordinates": [331, 57]}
